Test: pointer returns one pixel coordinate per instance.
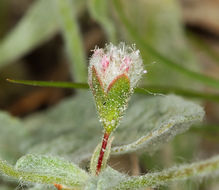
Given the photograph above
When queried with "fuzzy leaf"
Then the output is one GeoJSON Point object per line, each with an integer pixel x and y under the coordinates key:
{"type": "Point", "coordinates": [52, 165]}
{"type": "Point", "coordinates": [106, 180]}
{"type": "Point", "coordinates": [75, 139]}
{"type": "Point", "coordinates": [159, 117]}
{"type": "Point", "coordinates": [109, 178]}
{"type": "Point", "coordinates": [111, 104]}
{"type": "Point", "coordinates": [98, 91]}
{"type": "Point", "coordinates": [155, 121]}
{"type": "Point", "coordinates": [198, 169]}
{"type": "Point", "coordinates": [45, 170]}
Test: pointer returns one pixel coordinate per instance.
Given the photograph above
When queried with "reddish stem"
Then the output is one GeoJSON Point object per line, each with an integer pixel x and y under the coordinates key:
{"type": "Point", "coordinates": [102, 151]}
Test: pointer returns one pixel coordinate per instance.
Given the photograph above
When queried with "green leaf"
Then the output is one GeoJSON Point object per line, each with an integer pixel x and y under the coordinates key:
{"type": "Point", "coordinates": [38, 25]}
{"type": "Point", "coordinates": [158, 117]}
{"type": "Point", "coordinates": [45, 170]}
{"type": "Point", "coordinates": [51, 166]}
{"type": "Point", "coordinates": [98, 92]}
{"type": "Point", "coordinates": [197, 169]}
{"type": "Point", "coordinates": [73, 39]}
{"type": "Point", "coordinates": [111, 104]}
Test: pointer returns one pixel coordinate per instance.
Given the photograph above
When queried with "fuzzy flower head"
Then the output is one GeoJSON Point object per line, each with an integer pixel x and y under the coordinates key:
{"type": "Point", "coordinates": [113, 74]}
{"type": "Point", "coordinates": [114, 61]}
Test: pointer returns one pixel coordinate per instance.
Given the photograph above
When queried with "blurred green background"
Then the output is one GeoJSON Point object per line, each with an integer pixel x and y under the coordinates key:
{"type": "Point", "coordinates": [51, 40]}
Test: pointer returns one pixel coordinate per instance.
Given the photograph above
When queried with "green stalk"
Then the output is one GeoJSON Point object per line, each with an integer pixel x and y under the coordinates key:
{"type": "Point", "coordinates": [179, 91]}
{"type": "Point", "coordinates": [162, 59]}
{"type": "Point", "coordinates": [198, 169]}
{"type": "Point", "coordinates": [147, 90]}
{"type": "Point", "coordinates": [53, 84]}
{"type": "Point", "coordinates": [73, 40]}
{"type": "Point", "coordinates": [99, 10]}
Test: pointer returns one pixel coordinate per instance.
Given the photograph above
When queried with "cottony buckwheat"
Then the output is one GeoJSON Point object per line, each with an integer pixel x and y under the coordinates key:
{"type": "Point", "coordinates": [113, 74]}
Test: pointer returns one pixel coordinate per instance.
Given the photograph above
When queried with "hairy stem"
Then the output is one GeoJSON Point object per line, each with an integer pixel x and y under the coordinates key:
{"type": "Point", "coordinates": [102, 151]}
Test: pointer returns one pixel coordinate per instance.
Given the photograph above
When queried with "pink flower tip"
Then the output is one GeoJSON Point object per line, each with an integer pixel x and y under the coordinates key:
{"type": "Point", "coordinates": [113, 61]}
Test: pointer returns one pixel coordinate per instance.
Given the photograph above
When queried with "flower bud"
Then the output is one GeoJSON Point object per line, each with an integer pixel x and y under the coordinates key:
{"type": "Point", "coordinates": [113, 74]}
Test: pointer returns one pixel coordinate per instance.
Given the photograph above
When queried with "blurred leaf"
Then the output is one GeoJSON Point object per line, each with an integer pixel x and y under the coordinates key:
{"type": "Point", "coordinates": [197, 169]}
{"type": "Point", "coordinates": [6, 187]}
{"type": "Point", "coordinates": [70, 129]}
{"type": "Point", "coordinates": [73, 39]}
{"type": "Point", "coordinates": [40, 187]}
{"type": "Point", "coordinates": [11, 135]}
{"type": "Point", "coordinates": [154, 121]}
{"type": "Point", "coordinates": [173, 56]}
{"type": "Point", "coordinates": [158, 23]}
{"type": "Point", "coordinates": [99, 10]}
{"type": "Point", "coordinates": [38, 25]}
{"type": "Point", "coordinates": [149, 122]}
